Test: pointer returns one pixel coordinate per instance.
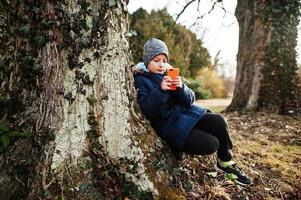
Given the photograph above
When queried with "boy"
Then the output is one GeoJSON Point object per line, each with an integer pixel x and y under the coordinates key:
{"type": "Point", "coordinates": [184, 126]}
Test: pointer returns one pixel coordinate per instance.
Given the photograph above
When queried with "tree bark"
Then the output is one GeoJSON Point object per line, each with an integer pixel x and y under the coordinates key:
{"type": "Point", "coordinates": [266, 77]}
{"type": "Point", "coordinates": [66, 81]}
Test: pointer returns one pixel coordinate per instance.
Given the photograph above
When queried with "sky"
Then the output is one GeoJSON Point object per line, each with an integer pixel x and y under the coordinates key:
{"type": "Point", "coordinates": [218, 30]}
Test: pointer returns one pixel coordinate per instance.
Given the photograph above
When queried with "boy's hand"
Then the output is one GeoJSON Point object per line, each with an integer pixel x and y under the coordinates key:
{"type": "Point", "coordinates": [177, 82]}
{"type": "Point", "coordinates": [166, 83]}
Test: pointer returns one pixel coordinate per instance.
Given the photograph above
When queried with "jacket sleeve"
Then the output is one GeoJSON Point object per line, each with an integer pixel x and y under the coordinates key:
{"type": "Point", "coordinates": [152, 103]}
{"type": "Point", "coordinates": [185, 96]}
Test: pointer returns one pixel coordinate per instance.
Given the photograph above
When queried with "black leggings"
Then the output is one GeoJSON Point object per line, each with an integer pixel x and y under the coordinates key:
{"type": "Point", "coordinates": [209, 135]}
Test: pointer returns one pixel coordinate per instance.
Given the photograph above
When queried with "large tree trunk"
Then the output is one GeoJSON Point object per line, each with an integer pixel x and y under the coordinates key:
{"type": "Point", "coordinates": [266, 61]}
{"type": "Point", "coordinates": [68, 123]}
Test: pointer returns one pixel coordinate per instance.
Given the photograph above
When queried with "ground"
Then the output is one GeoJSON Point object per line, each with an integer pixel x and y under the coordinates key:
{"type": "Point", "coordinates": [216, 105]}
{"type": "Point", "coordinates": [266, 146]}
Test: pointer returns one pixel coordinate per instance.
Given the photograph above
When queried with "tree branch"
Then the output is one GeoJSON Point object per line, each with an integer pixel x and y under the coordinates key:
{"type": "Point", "coordinates": [222, 7]}
{"type": "Point", "coordinates": [184, 8]}
{"type": "Point", "coordinates": [214, 4]}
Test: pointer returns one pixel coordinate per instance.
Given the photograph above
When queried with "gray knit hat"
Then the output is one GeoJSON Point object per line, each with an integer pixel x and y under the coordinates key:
{"type": "Point", "coordinates": [152, 48]}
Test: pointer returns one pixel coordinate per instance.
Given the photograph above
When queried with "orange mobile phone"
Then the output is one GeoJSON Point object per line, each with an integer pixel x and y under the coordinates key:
{"type": "Point", "coordinates": [172, 73]}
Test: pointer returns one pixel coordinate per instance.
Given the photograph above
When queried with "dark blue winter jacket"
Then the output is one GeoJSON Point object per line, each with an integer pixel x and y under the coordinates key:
{"type": "Point", "coordinates": [171, 113]}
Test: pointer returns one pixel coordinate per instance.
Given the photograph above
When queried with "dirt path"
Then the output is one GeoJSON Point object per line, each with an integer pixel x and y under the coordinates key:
{"type": "Point", "coordinates": [215, 105]}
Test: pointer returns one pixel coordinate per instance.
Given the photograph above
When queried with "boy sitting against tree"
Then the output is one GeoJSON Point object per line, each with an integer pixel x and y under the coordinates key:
{"type": "Point", "coordinates": [184, 126]}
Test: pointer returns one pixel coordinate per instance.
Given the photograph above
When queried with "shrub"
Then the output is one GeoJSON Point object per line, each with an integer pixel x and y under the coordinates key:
{"type": "Point", "coordinates": [229, 84]}
{"type": "Point", "coordinates": [212, 82]}
{"type": "Point", "coordinates": [197, 87]}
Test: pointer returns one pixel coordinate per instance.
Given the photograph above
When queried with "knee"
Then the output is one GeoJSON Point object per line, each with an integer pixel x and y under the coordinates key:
{"type": "Point", "coordinates": [222, 122]}
{"type": "Point", "coordinates": [213, 146]}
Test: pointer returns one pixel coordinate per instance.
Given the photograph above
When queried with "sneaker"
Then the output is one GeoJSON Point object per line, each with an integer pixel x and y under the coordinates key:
{"type": "Point", "coordinates": [234, 173]}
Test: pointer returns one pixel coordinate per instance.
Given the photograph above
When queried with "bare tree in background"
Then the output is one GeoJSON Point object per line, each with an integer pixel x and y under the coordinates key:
{"type": "Point", "coordinates": [266, 77]}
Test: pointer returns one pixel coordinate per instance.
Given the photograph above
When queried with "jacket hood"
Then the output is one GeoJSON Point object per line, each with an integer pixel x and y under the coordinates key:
{"type": "Point", "coordinates": [140, 68]}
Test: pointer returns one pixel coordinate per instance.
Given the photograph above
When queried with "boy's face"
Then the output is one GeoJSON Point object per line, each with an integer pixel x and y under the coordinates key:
{"type": "Point", "coordinates": [158, 64]}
